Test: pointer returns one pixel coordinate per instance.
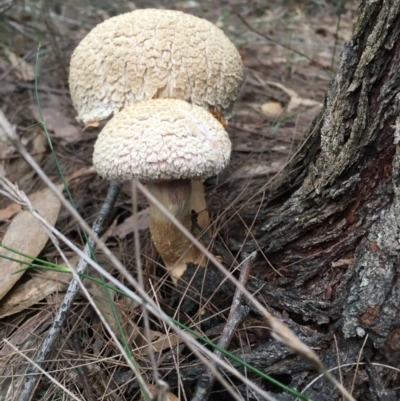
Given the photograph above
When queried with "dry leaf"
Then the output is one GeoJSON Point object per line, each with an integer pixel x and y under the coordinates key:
{"type": "Point", "coordinates": [26, 234]}
{"type": "Point", "coordinates": [272, 109]}
{"type": "Point", "coordinates": [127, 226]}
{"type": "Point", "coordinates": [39, 286]}
{"type": "Point", "coordinates": [157, 395]}
{"type": "Point", "coordinates": [62, 126]}
{"type": "Point", "coordinates": [23, 69]}
{"type": "Point", "coordinates": [159, 341]}
{"type": "Point", "coordinates": [9, 211]}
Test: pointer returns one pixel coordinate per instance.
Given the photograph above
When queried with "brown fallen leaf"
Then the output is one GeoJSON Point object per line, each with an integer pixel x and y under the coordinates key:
{"type": "Point", "coordinates": [26, 235]}
{"type": "Point", "coordinates": [14, 208]}
{"type": "Point", "coordinates": [127, 226]}
{"type": "Point", "coordinates": [41, 284]}
{"type": "Point", "coordinates": [9, 211]}
{"type": "Point", "coordinates": [159, 341]}
{"type": "Point", "coordinates": [56, 122]}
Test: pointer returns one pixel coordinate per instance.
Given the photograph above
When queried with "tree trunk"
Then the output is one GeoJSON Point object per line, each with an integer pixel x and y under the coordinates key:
{"type": "Point", "coordinates": [333, 227]}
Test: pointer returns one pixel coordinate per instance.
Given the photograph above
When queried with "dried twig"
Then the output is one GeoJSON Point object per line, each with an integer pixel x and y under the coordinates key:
{"type": "Point", "coordinates": [72, 291]}
{"type": "Point", "coordinates": [237, 314]}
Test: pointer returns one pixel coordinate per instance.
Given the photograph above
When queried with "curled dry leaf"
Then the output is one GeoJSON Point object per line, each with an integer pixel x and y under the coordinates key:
{"type": "Point", "coordinates": [56, 122]}
{"type": "Point", "coordinates": [26, 235]}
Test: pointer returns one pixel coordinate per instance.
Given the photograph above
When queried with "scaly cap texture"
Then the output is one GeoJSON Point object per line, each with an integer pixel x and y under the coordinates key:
{"type": "Point", "coordinates": [148, 54]}
{"type": "Point", "coordinates": [161, 140]}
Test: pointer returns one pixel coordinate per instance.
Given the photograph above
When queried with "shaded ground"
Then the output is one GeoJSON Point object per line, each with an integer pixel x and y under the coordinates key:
{"type": "Point", "coordinates": [263, 141]}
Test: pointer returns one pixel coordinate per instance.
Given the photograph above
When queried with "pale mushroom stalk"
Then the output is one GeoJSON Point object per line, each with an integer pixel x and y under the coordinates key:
{"type": "Point", "coordinates": [198, 204]}
{"type": "Point", "coordinates": [168, 144]}
{"type": "Point", "coordinates": [174, 247]}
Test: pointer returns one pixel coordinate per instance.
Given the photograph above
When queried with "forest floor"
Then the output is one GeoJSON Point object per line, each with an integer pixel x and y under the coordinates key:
{"type": "Point", "coordinates": [290, 49]}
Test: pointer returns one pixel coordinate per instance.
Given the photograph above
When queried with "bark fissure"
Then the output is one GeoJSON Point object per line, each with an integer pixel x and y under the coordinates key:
{"type": "Point", "coordinates": [331, 231]}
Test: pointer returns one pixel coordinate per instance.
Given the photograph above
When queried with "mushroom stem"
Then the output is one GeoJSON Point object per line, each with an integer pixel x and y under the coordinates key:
{"type": "Point", "coordinates": [198, 204]}
{"type": "Point", "coordinates": [174, 247]}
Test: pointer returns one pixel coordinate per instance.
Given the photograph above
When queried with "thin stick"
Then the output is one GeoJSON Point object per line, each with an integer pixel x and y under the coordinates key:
{"type": "Point", "coordinates": [72, 291]}
{"type": "Point", "coordinates": [237, 314]}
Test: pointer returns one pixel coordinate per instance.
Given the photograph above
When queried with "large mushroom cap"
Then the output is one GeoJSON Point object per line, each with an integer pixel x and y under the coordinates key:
{"type": "Point", "coordinates": [149, 54]}
{"type": "Point", "coordinates": [161, 140]}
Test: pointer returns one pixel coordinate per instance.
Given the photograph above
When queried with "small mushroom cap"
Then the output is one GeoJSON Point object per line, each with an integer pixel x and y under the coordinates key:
{"type": "Point", "coordinates": [161, 140]}
{"type": "Point", "coordinates": [148, 54]}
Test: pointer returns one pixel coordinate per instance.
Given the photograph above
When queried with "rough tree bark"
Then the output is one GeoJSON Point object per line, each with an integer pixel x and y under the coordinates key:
{"type": "Point", "coordinates": [335, 232]}
{"type": "Point", "coordinates": [332, 228]}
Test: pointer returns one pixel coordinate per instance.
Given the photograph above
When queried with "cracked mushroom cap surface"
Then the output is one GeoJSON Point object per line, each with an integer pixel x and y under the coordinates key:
{"type": "Point", "coordinates": [146, 54]}
{"type": "Point", "coordinates": [161, 140]}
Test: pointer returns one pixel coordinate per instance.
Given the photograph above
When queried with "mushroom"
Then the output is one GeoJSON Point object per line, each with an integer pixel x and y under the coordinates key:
{"type": "Point", "coordinates": [146, 54]}
{"type": "Point", "coordinates": [151, 53]}
{"type": "Point", "coordinates": [164, 143]}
